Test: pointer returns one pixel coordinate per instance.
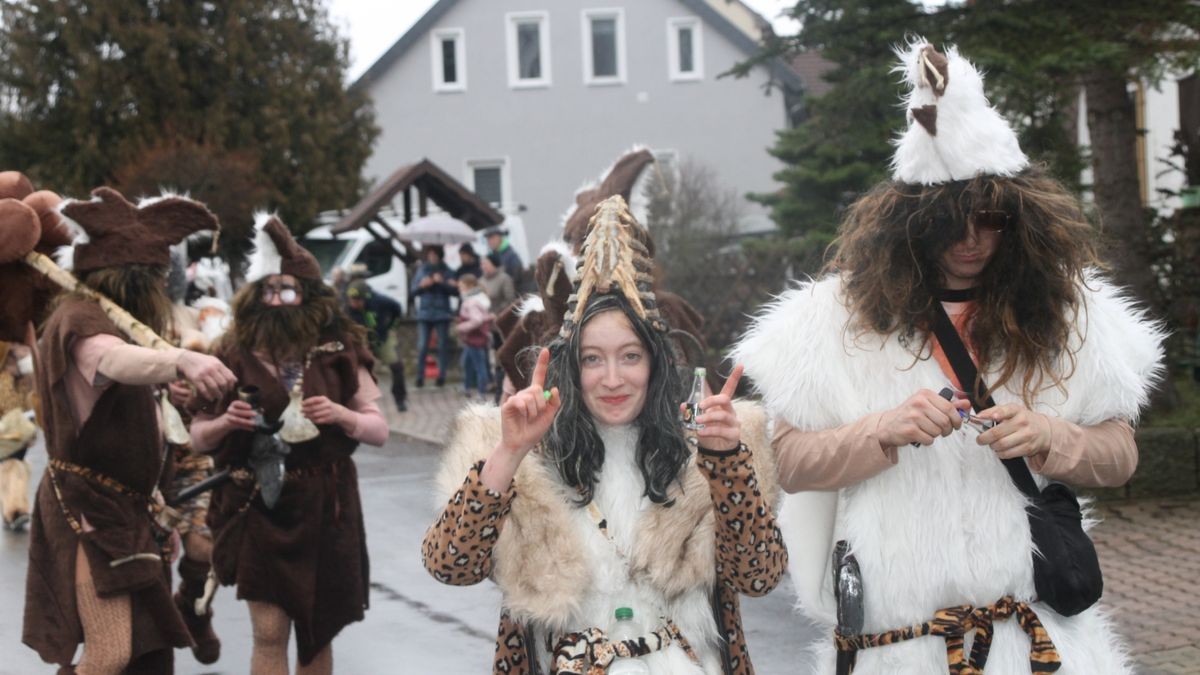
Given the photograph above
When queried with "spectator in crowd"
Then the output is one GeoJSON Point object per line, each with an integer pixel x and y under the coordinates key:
{"type": "Point", "coordinates": [474, 332]}
{"type": "Point", "coordinates": [498, 243]}
{"type": "Point", "coordinates": [339, 279]}
{"type": "Point", "coordinates": [432, 289]}
{"type": "Point", "coordinates": [496, 282]}
{"type": "Point", "coordinates": [469, 262]}
{"type": "Point", "coordinates": [378, 313]}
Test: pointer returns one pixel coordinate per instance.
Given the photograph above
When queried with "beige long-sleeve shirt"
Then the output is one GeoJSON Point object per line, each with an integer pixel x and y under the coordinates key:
{"type": "Point", "coordinates": [1103, 455]}
{"type": "Point", "coordinates": [100, 360]}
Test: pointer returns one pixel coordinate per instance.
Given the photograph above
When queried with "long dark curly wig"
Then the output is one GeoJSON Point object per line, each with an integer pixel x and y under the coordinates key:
{"type": "Point", "coordinates": [573, 446]}
{"type": "Point", "coordinates": [1028, 296]}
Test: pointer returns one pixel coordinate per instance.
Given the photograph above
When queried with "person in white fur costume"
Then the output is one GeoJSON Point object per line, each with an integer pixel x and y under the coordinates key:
{"type": "Point", "coordinates": [848, 366]}
{"type": "Point", "coordinates": [582, 496]}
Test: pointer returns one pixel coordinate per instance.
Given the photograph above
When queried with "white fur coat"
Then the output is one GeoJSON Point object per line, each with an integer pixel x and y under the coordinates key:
{"type": "Point", "coordinates": [557, 571]}
{"type": "Point", "coordinates": [945, 525]}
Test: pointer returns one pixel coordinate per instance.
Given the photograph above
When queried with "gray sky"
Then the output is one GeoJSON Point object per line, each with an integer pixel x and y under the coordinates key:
{"type": "Point", "coordinates": [374, 25]}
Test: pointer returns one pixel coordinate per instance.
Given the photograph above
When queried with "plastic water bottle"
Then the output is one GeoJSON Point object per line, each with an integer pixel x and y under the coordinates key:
{"type": "Point", "coordinates": [625, 627]}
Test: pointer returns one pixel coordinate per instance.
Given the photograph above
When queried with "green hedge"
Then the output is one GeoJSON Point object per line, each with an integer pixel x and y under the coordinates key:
{"type": "Point", "coordinates": [1168, 465]}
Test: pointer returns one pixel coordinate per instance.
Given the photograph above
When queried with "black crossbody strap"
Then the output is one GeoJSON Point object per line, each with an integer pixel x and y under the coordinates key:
{"type": "Point", "coordinates": [964, 367]}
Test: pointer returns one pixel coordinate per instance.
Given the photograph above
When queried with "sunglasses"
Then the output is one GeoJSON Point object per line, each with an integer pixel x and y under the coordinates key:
{"type": "Point", "coordinates": [991, 220]}
{"type": "Point", "coordinates": [287, 294]}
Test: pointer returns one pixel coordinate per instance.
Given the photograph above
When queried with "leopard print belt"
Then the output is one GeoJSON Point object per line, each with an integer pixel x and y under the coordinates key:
{"type": "Point", "coordinates": [156, 510]}
{"type": "Point", "coordinates": [590, 651]}
{"type": "Point", "coordinates": [244, 476]}
{"type": "Point", "coordinates": [953, 624]}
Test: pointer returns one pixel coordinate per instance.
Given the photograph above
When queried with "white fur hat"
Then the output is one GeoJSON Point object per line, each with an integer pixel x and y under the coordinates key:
{"type": "Point", "coordinates": [953, 133]}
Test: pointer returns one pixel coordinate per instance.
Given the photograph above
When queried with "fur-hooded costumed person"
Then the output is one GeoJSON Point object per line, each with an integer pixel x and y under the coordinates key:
{"type": "Point", "coordinates": [296, 551]}
{"type": "Point", "coordinates": [847, 365]}
{"type": "Point", "coordinates": [96, 555]}
{"type": "Point", "coordinates": [535, 319]}
{"type": "Point", "coordinates": [613, 507]}
{"type": "Point", "coordinates": [28, 222]}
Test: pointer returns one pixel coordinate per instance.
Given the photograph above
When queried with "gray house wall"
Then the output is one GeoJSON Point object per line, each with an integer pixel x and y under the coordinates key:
{"type": "Point", "coordinates": [559, 137]}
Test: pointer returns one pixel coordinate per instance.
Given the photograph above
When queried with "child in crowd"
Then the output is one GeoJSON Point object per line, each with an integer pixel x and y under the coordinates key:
{"type": "Point", "coordinates": [474, 326]}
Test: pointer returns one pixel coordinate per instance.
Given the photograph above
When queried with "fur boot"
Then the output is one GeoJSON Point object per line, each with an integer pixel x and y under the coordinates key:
{"type": "Point", "coordinates": [14, 492]}
{"type": "Point", "coordinates": [192, 575]}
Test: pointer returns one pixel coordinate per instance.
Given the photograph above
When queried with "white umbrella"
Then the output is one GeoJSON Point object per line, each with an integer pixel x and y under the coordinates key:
{"type": "Point", "coordinates": [438, 229]}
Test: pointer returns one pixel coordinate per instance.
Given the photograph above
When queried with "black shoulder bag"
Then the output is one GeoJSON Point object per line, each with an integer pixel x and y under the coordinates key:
{"type": "Point", "coordinates": [1066, 570]}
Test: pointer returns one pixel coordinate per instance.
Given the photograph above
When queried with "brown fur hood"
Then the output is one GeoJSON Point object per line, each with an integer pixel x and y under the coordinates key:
{"type": "Point", "coordinates": [539, 562]}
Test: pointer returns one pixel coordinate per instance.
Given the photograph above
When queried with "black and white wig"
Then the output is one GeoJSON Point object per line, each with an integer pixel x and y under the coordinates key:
{"type": "Point", "coordinates": [573, 444]}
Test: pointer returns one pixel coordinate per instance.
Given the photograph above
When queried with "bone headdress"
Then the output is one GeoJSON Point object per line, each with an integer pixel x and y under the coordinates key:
{"type": "Point", "coordinates": [614, 259]}
{"type": "Point", "coordinates": [953, 133]}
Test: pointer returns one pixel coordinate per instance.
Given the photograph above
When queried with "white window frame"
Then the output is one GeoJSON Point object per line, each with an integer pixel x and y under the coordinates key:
{"type": "Point", "coordinates": [460, 59]}
{"type": "Point", "coordinates": [511, 19]}
{"type": "Point", "coordinates": [502, 163]}
{"type": "Point", "coordinates": [586, 16]}
{"type": "Point", "coordinates": [673, 26]}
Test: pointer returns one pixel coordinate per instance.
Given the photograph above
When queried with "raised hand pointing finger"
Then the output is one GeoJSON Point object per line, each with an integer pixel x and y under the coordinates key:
{"type": "Point", "coordinates": [540, 369]}
{"type": "Point", "coordinates": [731, 384]}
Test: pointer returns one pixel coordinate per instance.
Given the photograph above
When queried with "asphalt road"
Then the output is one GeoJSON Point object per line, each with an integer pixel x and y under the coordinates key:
{"type": "Point", "coordinates": [415, 625]}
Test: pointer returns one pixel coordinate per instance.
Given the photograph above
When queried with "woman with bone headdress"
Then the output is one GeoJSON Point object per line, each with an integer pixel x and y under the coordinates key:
{"type": "Point", "coordinates": [537, 318]}
{"type": "Point", "coordinates": [968, 255]}
{"type": "Point", "coordinates": [582, 495]}
{"type": "Point", "coordinates": [288, 529]}
{"type": "Point", "coordinates": [96, 556]}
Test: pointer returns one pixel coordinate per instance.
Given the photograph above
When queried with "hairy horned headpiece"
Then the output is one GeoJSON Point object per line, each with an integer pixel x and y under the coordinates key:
{"type": "Point", "coordinates": [614, 259]}
{"type": "Point", "coordinates": [113, 231]}
{"type": "Point", "coordinates": [953, 133]}
{"type": "Point", "coordinates": [277, 252]}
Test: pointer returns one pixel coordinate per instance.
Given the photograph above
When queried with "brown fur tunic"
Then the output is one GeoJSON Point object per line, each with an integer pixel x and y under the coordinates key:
{"type": "Point", "coordinates": [120, 440]}
{"type": "Point", "coordinates": [308, 555]}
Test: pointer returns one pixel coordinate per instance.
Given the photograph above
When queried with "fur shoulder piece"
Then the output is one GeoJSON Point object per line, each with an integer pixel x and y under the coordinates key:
{"type": "Point", "coordinates": [540, 561]}
{"type": "Point", "coordinates": [792, 351]}
{"type": "Point", "coordinates": [474, 434]}
{"type": "Point", "coordinates": [756, 434]}
{"type": "Point", "coordinates": [1118, 355]}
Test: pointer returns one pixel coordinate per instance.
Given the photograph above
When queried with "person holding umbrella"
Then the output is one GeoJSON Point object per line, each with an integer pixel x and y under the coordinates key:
{"type": "Point", "coordinates": [432, 287]}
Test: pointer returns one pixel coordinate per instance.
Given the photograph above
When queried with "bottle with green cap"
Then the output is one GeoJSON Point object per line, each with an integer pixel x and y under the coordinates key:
{"type": "Point", "coordinates": [626, 627]}
{"type": "Point", "coordinates": [691, 409]}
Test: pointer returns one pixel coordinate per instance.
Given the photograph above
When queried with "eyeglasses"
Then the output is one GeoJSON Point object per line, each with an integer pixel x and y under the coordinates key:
{"type": "Point", "coordinates": [991, 221]}
{"type": "Point", "coordinates": [286, 294]}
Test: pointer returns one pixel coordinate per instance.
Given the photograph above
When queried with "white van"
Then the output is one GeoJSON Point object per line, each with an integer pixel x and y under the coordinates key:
{"type": "Point", "coordinates": [388, 273]}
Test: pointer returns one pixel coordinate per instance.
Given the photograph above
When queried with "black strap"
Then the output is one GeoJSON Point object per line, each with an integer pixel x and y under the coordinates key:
{"type": "Point", "coordinates": [977, 391]}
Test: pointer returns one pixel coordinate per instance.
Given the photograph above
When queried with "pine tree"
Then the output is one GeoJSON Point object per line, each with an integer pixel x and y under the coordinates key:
{"type": "Point", "coordinates": [843, 144]}
{"type": "Point", "coordinates": [1039, 54]}
{"type": "Point", "coordinates": [91, 91]}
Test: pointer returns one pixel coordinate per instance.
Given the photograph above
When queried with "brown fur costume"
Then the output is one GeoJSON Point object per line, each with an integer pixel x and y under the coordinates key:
{"type": "Point", "coordinates": [27, 221]}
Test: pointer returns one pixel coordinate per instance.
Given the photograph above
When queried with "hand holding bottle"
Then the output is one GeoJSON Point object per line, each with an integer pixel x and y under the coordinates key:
{"type": "Point", "coordinates": [718, 426]}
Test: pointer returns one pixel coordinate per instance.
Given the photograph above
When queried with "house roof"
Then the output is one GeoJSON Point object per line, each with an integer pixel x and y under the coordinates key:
{"type": "Point", "coordinates": [436, 184]}
{"type": "Point", "coordinates": [780, 70]}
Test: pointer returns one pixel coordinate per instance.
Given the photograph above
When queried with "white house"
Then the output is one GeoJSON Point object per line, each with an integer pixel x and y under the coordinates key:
{"type": "Point", "coordinates": [527, 100]}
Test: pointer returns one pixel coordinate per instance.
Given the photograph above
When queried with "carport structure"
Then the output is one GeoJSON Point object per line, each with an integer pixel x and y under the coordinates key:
{"type": "Point", "coordinates": [416, 184]}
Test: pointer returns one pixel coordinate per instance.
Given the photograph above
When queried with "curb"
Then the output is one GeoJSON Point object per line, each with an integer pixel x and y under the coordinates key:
{"type": "Point", "coordinates": [420, 438]}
